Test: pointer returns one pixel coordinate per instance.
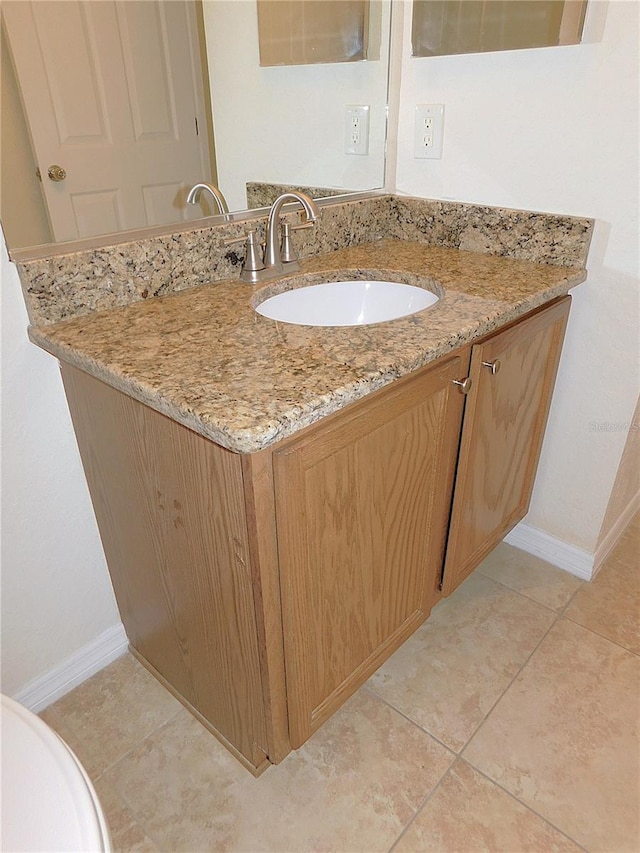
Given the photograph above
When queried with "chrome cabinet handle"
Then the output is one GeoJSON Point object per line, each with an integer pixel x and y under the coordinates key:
{"type": "Point", "coordinates": [464, 384]}
{"type": "Point", "coordinates": [493, 366]}
{"type": "Point", "coordinates": [56, 173]}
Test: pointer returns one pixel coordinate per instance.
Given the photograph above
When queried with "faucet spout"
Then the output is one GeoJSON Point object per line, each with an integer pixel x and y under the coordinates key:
{"type": "Point", "coordinates": [272, 256]}
{"type": "Point", "coordinates": [219, 200]}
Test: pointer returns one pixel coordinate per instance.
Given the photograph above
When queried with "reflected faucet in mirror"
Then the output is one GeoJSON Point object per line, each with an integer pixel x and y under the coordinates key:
{"type": "Point", "coordinates": [219, 200]}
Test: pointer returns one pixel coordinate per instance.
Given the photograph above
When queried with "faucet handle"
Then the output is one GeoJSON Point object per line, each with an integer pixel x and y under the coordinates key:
{"type": "Point", "coordinates": [229, 241]}
{"type": "Point", "coordinates": [287, 252]}
{"type": "Point", "coordinates": [252, 256]}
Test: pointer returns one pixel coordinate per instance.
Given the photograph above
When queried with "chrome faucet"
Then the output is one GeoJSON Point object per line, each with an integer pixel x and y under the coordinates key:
{"type": "Point", "coordinates": [278, 257]}
{"type": "Point", "coordinates": [273, 260]}
{"type": "Point", "coordinates": [219, 199]}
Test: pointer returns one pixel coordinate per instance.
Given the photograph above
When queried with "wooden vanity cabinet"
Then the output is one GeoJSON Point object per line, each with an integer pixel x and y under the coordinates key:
{"type": "Point", "coordinates": [513, 373]}
{"type": "Point", "coordinates": [263, 589]}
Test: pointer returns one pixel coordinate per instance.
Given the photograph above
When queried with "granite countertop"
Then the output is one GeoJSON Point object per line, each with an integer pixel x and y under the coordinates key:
{"type": "Point", "coordinates": [205, 358]}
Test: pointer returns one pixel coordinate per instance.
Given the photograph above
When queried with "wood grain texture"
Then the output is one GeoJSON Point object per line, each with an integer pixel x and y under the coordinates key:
{"type": "Point", "coordinates": [256, 769]}
{"type": "Point", "coordinates": [504, 422]}
{"type": "Point", "coordinates": [362, 503]}
{"type": "Point", "coordinates": [263, 545]}
{"type": "Point", "coordinates": [170, 507]}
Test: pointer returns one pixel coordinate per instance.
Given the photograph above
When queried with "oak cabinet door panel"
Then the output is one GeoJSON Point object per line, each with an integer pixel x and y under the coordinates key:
{"type": "Point", "coordinates": [513, 375]}
{"type": "Point", "coordinates": [362, 505]}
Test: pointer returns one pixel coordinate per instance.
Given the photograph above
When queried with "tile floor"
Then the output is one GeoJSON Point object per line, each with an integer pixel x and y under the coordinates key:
{"type": "Point", "coordinates": [508, 722]}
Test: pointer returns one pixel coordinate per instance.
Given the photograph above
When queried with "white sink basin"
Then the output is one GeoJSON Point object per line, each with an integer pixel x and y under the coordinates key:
{"type": "Point", "coordinates": [347, 303]}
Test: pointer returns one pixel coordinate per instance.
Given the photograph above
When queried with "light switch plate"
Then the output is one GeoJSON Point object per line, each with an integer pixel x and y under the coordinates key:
{"type": "Point", "coordinates": [428, 131]}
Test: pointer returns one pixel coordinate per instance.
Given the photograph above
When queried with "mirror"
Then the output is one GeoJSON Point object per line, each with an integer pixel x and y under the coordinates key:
{"type": "Point", "coordinates": [445, 27]}
{"type": "Point", "coordinates": [194, 64]}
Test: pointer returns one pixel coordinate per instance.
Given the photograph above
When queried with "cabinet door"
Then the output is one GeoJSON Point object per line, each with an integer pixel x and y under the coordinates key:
{"type": "Point", "coordinates": [504, 422]}
{"type": "Point", "coordinates": [362, 505]}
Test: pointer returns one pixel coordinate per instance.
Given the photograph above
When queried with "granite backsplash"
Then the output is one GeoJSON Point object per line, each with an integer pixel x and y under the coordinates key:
{"type": "Point", "coordinates": [67, 285]}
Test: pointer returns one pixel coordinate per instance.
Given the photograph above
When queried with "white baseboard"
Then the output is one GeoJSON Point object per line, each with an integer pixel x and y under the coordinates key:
{"type": "Point", "coordinates": [555, 551]}
{"type": "Point", "coordinates": [611, 539]}
{"type": "Point", "coordinates": [93, 657]}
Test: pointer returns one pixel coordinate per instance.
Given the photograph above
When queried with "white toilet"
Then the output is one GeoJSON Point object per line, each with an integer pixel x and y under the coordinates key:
{"type": "Point", "coordinates": [48, 802]}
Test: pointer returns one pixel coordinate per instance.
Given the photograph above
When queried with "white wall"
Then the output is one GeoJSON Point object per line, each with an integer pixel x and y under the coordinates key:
{"type": "Point", "coordinates": [56, 592]}
{"type": "Point", "coordinates": [554, 129]}
{"type": "Point", "coordinates": [286, 124]}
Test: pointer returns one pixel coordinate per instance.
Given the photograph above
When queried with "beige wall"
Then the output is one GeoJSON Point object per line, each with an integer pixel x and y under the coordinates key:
{"type": "Point", "coordinates": [626, 488]}
{"type": "Point", "coordinates": [22, 209]}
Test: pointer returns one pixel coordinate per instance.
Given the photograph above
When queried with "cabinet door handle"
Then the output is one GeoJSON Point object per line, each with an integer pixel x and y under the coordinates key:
{"type": "Point", "coordinates": [494, 366]}
{"type": "Point", "coordinates": [464, 384]}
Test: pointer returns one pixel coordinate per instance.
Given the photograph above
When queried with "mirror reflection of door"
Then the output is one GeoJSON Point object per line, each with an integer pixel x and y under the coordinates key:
{"type": "Point", "coordinates": [113, 94]}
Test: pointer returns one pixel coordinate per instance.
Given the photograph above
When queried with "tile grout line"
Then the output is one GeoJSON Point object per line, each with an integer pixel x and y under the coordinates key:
{"type": "Point", "coordinates": [423, 804]}
{"type": "Point", "coordinates": [121, 796]}
{"type": "Point", "coordinates": [601, 636]}
{"type": "Point", "coordinates": [138, 743]}
{"type": "Point", "coordinates": [458, 756]}
{"type": "Point", "coordinates": [560, 616]}
{"type": "Point", "coordinates": [410, 720]}
{"type": "Point", "coordinates": [511, 682]}
{"type": "Point", "coordinates": [512, 796]}
{"type": "Point", "coordinates": [556, 615]}
{"type": "Point", "coordinates": [529, 598]}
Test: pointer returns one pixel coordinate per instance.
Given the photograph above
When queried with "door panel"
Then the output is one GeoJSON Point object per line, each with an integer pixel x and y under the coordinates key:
{"type": "Point", "coordinates": [93, 211]}
{"type": "Point", "coordinates": [78, 103]}
{"type": "Point", "coordinates": [362, 504]}
{"type": "Point", "coordinates": [148, 70]}
{"type": "Point", "coordinates": [504, 422]}
{"type": "Point", "coordinates": [111, 90]}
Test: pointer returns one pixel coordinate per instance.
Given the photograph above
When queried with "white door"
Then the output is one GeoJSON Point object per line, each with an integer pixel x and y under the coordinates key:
{"type": "Point", "coordinates": [113, 95]}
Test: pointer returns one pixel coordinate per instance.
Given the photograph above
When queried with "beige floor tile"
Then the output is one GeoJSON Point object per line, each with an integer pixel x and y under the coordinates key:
{"type": "Point", "coordinates": [564, 739]}
{"type": "Point", "coordinates": [627, 550]}
{"type": "Point", "coordinates": [530, 576]}
{"type": "Point", "coordinates": [450, 673]}
{"type": "Point", "coordinates": [610, 604]}
{"type": "Point", "coordinates": [110, 713]}
{"type": "Point", "coordinates": [469, 814]}
{"type": "Point", "coordinates": [352, 787]}
{"type": "Point", "coordinates": [127, 836]}
{"type": "Point", "coordinates": [58, 724]}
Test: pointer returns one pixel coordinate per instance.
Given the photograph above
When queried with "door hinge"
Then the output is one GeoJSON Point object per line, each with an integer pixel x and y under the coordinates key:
{"type": "Point", "coordinates": [197, 130]}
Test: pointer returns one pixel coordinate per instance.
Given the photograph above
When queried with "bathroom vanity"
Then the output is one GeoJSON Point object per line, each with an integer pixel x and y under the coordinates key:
{"type": "Point", "coordinates": [281, 506]}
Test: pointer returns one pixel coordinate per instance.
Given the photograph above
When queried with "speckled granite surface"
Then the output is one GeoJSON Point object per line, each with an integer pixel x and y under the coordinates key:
{"type": "Point", "coordinates": [207, 359]}
{"type": "Point", "coordinates": [68, 285]}
{"type": "Point", "coordinates": [260, 194]}
{"type": "Point", "coordinates": [528, 236]}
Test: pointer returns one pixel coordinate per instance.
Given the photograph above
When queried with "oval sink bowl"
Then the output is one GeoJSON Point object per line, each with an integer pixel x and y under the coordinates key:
{"type": "Point", "coordinates": [346, 303]}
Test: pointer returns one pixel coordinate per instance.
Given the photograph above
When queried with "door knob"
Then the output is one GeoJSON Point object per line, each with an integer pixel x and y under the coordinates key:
{"type": "Point", "coordinates": [56, 173]}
